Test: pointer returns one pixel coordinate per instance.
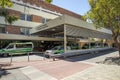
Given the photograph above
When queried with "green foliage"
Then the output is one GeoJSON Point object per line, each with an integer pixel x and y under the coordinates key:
{"type": "Point", "coordinates": [105, 13]}
{"type": "Point", "coordinates": [11, 19]}
{"type": "Point", "coordinates": [8, 18]}
{"type": "Point", "coordinates": [5, 3]}
{"type": "Point", "coordinates": [3, 11]}
{"type": "Point", "coordinates": [48, 1]}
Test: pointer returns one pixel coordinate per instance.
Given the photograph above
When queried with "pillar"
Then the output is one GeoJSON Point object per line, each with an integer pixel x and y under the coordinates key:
{"type": "Point", "coordinates": [89, 43]}
{"type": "Point", "coordinates": [65, 39]}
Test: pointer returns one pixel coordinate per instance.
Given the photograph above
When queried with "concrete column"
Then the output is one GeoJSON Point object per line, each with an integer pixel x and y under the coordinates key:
{"type": "Point", "coordinates": [65, 39]}
{"type": "Point", "coordinates": [103, 43]}
{"type": "Point", "coordinates": [89, 43]}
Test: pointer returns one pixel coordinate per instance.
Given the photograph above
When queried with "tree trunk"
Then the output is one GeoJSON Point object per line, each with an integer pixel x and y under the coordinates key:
{"type": "Point", "coordinates": [117, 44]}
{"type": "Point", "coordinates": [119, 48]}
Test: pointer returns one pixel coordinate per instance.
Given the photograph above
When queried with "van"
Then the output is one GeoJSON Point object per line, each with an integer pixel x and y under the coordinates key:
{"type": "Point", "coordinates": [17, 48]}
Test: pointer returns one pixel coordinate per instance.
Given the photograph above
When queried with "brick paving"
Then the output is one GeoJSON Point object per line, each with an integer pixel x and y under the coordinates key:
{"type": "Point", "coordinates": [58, 69]}
{"type": "Point", "coordinates": [62, 70]}
{"type": "Point", "coordinates": [36, 74]}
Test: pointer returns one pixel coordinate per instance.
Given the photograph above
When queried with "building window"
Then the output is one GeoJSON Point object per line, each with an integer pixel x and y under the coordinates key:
{"type": "Point", "coordinates": [26, 17]}
{"type": "Point", "coordinates": [48, 20]}
{"type": "Point", "coordinates": [2, 29]}
{"type": "Point", "coordinates": [44, 20]}
{"type": "Point", "coordinates": [22, 16]}
{"type": "Point", "coordinates": [25, 31]}
{"type": "Point", "coordinates": [29, 18]}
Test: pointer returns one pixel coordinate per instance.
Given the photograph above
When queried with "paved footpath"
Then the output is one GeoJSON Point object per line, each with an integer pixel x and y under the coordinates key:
{"type": "Point", "coordinates": [63, 70]}
{"type": "Point", "coordinates": [54, 70]}
{"type": "Point", "coordinates": [13, 74]}
{"type": "Point", "coordinates": [98, 72]}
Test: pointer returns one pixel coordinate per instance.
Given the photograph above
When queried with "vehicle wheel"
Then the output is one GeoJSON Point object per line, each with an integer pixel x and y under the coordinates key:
{"type": "Point", "coordinates": [5, 54]}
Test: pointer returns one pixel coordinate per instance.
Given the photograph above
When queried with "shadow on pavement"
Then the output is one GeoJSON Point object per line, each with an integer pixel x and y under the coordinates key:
{"type": "Point", "coordinates": [3, 73]}
{"type": "Point", "coordinates": [88, 56]}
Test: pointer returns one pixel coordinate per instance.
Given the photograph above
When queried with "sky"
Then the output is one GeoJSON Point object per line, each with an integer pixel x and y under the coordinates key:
{"type": "Point", "coordinates": [77, 6]}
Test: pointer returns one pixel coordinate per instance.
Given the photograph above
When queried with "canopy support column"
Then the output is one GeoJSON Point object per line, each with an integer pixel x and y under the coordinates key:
{"type": "Point", "coordinates": [103, 43]}
{"type": "Point", "coordinates": [65, 39]}
{"type": "Point", "coordinates": [89, 43]}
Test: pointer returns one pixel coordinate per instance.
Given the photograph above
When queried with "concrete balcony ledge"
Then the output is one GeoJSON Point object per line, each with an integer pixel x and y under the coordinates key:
{"type": "Point", "coordinates": [26, 37]}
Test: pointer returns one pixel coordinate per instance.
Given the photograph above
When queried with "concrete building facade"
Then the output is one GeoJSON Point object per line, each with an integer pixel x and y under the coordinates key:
{"type": "Point", "coordinates": [33, 14]}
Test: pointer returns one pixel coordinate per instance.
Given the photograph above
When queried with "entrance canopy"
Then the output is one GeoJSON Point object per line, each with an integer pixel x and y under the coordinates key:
{"type": "Point", "coordinates": [74, 28]}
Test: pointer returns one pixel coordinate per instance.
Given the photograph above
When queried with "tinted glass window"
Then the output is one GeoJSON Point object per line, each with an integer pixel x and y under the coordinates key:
{"type": "Point", "coordinates": [29, 18]}
{"type": "Point", "coordinates": [26, 17]}
{"type": "Point", "coordinates": [22, 16]}
{"type": "Point", "coordinates": [23, 45]}
{"type": "Point", "coordinates": [62, 48]}
{"type": "Point", "coordinates": [43, 20]}
{"type": "Point", "coordinates": [2, 29]}
{"type": "Point", "coordinates": [24, 31]}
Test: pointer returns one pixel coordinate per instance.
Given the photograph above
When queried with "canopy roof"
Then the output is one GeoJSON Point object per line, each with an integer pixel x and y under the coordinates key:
{"type": "Point", "coordinates": [74, 27]}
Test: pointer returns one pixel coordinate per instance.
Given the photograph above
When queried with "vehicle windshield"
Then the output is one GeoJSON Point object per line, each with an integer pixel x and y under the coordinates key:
{"type": "Point", "coordinates": [58, 48]}
{"type": "Point", "coordinates": [10, 47]}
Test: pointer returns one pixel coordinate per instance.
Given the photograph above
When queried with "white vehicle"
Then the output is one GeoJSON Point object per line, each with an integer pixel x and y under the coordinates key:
{"type": "Point", "coordinates": [17, 48]}
{"type": "Point", "coordinates": [57, 50]}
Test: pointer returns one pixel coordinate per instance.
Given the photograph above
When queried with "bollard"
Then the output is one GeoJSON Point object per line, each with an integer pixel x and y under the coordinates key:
{"type": "Point", "coordinates": [11, 58]}
{"type": "Point", "coordinates": [28, 57]}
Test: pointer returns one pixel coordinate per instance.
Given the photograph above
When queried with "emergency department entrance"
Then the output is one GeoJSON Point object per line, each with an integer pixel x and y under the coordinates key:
{"type": "Point", "coordinates": [64, 30]}
{"type": "Point", "coordinates": [69, 28]}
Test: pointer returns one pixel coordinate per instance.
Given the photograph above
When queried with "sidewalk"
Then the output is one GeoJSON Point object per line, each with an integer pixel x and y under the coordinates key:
{"type": "Point", "coordinates": [76, 68]}
{"type": "Point", "coordinates": [55, 69]}
{"type": "Point", "coordinates": [13, 74]}
{"type": "Point", "coordinates": [99, 72]}
{"type": "Point", "coordinates": [62, 70]}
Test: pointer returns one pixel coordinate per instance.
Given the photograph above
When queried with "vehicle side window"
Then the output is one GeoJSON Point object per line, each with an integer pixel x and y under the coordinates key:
{"type": "Point", "coordinates": [62, 48]}
{"type": "Point", "coordinates": [24, 46]}
{"type": "Point", "coordinates": [10, 46]}
{"type": "Point", "coordinates": [19, 46]}
{"type": "Point", "coordinates": [68, 48]}
{"type": "Point", "coordinates": [28, 45]}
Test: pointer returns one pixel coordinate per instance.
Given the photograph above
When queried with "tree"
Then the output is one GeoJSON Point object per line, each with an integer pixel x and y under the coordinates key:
{"type": "Point", "coordinates": [5, 13]}
{"type": "Point", "coordinates": [106, 14]}
{"type": "Point", "coordinates": [8, 18]}
{"type": "Point", "coordinates": [48, 1]}
{"type": "Point", "coordinates": [5, 3]}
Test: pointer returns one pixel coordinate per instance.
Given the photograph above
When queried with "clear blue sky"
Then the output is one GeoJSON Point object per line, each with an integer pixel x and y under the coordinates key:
{"type": "Point", "coordinates": [77, 6]}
